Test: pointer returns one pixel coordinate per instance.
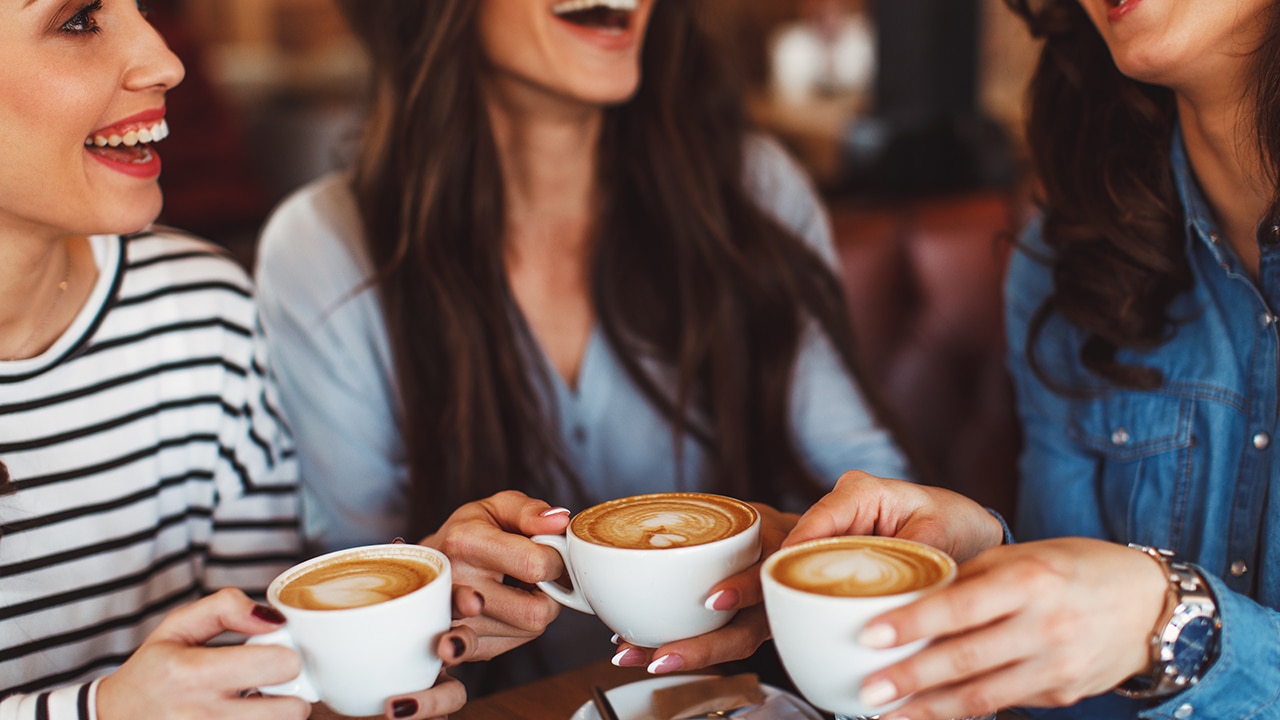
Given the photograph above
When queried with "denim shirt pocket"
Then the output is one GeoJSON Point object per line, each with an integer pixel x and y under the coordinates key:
{"type": "Point", "coordinates": [1144, 446]}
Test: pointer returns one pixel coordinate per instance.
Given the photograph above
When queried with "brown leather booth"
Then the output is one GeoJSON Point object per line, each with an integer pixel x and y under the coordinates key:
{"type": "Point", "coordinates": [924, 279]}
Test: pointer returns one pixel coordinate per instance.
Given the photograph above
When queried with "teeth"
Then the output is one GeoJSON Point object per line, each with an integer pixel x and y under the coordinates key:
{"type": "Point", "coordinates": [155, 133]}
{"type": "Point", "coordinates": [570, 6]}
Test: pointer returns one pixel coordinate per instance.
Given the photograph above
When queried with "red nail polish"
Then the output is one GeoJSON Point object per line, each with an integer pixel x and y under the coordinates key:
{"type": "Point", "coordinates": [407, 707]}
{"type": "Point", "coordinates": [268, 613]}
{"type": "Point", "coordinates": [397, 540]}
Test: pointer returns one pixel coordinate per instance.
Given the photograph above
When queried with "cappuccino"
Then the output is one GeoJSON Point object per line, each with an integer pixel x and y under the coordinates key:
{"type": "Point", "coordinates": [355, 581]}
{"type": "Point", "coordinates": [861, 567]}
{"type": "Point", "coordinates": [663, 520]}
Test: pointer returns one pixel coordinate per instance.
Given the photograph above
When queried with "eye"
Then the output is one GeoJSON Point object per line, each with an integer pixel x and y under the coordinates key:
{"type": "Point", "coordinates": [83, 21]}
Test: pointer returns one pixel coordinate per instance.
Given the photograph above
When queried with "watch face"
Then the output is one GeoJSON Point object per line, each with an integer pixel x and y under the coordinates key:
{"type": "Point", "coordinates": [1195, 643]}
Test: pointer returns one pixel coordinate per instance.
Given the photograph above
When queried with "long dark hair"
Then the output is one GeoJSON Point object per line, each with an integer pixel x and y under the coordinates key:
{"type": "Point", "coordinates": [688, 272]}
{"type": "Point", "coordinates": [1099, 143]}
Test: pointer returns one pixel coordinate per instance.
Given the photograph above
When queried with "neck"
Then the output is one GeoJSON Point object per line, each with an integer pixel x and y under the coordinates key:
{"type": "Point", "coordinates": [548, 151]}
{"type": "Point", "coordinates": [40, 283]}
{"type": "Point", "coordinates": [1222, 147]}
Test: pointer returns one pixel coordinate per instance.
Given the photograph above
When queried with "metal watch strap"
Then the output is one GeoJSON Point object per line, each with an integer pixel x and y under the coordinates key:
{"type": "Point", "coordinates": [1190, 603]}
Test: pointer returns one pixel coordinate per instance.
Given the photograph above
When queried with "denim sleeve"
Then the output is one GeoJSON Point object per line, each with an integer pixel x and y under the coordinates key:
{"type": "Point", "coordinates": [329, 347]}
{"type": "Point", "coordinates": [1244, 683]}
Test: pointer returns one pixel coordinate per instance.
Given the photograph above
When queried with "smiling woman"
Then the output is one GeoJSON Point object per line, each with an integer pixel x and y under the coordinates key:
{"type": "Point", "coordinates": [142, 461]}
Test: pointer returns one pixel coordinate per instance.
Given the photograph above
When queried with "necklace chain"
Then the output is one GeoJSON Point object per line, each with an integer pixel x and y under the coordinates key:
{"type": "Point", "coordinates": [48, 314]}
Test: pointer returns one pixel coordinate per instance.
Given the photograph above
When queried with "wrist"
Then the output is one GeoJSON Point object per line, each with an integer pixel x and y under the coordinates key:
{"type": "Point", "coordinates": [1184, 642]}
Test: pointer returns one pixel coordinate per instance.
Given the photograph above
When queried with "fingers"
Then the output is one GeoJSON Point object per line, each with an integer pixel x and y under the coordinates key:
{"type": "Point", "coordinates": [445, 697]}
{"type": "Point", "coordinates": [516, 512]}
{"type": "Point", "coordinates": [974, 599]}
{"type": "Point", "coordinates": [467, 602]}
{"type": "Point", "coordinates": [265, 708]}
{"type": "Point", "coordinates": [458, 645]}
{"type": "Point", "coordinates": [735, 641]}
{"type": "Point", "coordinates": [205, 619]}
{"type": "Point", "coordinates": [853, 507]}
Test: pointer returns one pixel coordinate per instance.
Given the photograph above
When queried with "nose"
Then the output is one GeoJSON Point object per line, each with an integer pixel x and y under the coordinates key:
{"type": "Point", "coordinates": [154, 65]}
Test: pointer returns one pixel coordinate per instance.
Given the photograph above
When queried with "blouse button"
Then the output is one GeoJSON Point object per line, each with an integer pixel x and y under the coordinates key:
{"type": "Point", "coordinates": [1261, 441]}
{"type": "Point", "coordinates": [579, 434]}
{"type": "Point", "coordinates": [1119, 436]}
{"type": "Point", "coordinates": [1184, 711]}
{"type": "Point", "coordinates": [1239, 568]}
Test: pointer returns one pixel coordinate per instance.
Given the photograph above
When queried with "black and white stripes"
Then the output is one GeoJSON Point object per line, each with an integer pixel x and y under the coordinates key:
{"type": "Point", "coordinates": [149, 465]}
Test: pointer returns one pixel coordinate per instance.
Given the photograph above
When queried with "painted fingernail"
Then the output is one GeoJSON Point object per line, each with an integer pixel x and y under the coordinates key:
{"type": "Point", "coordinates": [407, 707]}
{"type": "Point", "coordinates": [459, 647]}
{"type": "Point", "coordinates": [614, 639]}
{"type": "Point", "coordinates": [555, 511]}
{"type": "Point", "coordinates": [665, 664]}
{"type": "Point", "coordinates": [878, 636]}
{"type": "Point", "coordinates": [268, 613]}
{"type": "Point", "coordinates": [878, 692]}
{"type": "Point", "coordinates": [722, 600]}
{"type": "Point", "coordinates": [628, 657]}
{"type": "Point", "coordinates": [397, 540]}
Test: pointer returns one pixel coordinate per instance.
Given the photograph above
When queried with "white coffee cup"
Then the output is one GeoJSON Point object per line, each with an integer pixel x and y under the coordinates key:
{"type": "Point", "coordinates": [650, 583]}
{"type": "Point", "coordinates": [819, 595]}
{"type": "Point", "coordinates": [355, 657]}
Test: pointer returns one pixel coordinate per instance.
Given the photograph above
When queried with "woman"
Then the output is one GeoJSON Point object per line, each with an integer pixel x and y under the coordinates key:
{"type": "Point", "coordinates": [1141, 316]}
{"type": "Point", "coordinates": [144, 462]}
{"type": "Point", "coordinates": [545, 274]}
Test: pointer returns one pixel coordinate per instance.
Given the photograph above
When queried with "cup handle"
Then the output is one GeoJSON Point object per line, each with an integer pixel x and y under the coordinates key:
{"type": "Point", "coordinates": [569, 598]}
{"type": "Point", "coordinates": [301, 686]}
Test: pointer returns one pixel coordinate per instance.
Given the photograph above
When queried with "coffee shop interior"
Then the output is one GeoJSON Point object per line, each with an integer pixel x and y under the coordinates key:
{"type": "Point", "coordinates": [906, 114]}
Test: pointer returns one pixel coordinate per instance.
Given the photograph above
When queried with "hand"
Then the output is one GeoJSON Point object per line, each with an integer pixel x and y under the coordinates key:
{"type": "Point", "coordinates": [742, 636]}
{"type": "Point", "coordinates": [862, 504]}
{"type": "Point", "coordinates": [487, 542]}
{"type": "Point", "coordinates": [1036, 624]}
{"type": "Point", "coordinates": [457, 645]}
{"type": "Point", "coordinates": [172, 674]}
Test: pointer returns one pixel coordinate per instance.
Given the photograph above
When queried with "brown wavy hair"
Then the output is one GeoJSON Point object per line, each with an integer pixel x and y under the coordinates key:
{"type": "Point", "coordinates": [688, 274]}
{"type": "Point", "coordinates": [1099, 143]}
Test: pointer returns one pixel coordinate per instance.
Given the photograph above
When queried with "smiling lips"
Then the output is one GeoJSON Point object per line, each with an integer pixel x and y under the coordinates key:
{"type": "Point", "coordinates": [126, 146]}
{"type": "Point", "coordinates": [606, 15]}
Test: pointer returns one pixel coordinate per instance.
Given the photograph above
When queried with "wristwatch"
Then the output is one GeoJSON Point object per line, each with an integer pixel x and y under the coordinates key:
{"type": "Point", "coordinates": [1185, 642]}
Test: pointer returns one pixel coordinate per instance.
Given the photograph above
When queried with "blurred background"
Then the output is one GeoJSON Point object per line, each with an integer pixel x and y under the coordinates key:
{"type": "Point", "coordinates": [907, 114]}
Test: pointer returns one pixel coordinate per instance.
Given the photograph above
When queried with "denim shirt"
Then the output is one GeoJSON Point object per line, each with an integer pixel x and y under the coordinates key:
{"type": "Point", "coordinates": [1188, 467]}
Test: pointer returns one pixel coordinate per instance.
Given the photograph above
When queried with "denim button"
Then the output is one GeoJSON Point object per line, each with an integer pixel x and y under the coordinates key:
{"type": "Point", "coordinates": [1184, 711]}
{"type": "Point", "coordinates": [1239, 568]}
{"type": "Point", "coordinates": [1119, 436]}
{"type": "Point", "coordinates": [1266, 319]}
{"type": "Point", "coordinates": [1261, 441]}
{"type": "Point", "coordinates": [1213, 238]}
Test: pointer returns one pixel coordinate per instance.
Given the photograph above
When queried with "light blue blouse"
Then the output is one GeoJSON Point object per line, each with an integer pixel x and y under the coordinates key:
{"type": "Point", "coordinates": [338, 384]}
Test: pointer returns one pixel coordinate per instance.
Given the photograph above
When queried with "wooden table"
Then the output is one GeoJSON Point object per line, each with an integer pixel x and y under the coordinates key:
{"type": "Point", "coordinates": [556, 697]}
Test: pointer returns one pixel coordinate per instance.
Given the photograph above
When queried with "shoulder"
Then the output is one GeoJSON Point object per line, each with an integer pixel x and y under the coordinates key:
{"type": "Point", "coordinates": [1029, 281]}
{"type": "Point", "coordinates": [780, 186]}
{"type": "Point", "coordinates": [163, 260]}
{"type": "Point", "coordinates": [319, 221]}
{"type": "Point", "coordinates": [312, 247]}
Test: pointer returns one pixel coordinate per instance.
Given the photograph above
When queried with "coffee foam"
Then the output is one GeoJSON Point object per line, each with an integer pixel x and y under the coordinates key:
{"type": "Point", "coordinates": [861, 567]}
{"type": "Point", "coordinates": [355, 582]}
{"type": "Point", "coordinates": [663, 520]}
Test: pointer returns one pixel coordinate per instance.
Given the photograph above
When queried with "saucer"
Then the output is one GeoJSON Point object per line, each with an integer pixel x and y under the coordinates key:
{"type": "Point", "coordinates": [631, 701]}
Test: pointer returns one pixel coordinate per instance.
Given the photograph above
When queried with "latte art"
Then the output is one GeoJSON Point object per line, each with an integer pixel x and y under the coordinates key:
{"type": "Point", "coordinates": [663, 520]}
{"type": "Point", "coordinates": [861, 567]}
{"type": "Point", "coordinates": [355, 582]}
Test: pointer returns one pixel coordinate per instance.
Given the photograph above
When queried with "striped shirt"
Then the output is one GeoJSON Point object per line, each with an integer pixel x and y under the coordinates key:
{"type": "Point", "coordinates": [150, 467]}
